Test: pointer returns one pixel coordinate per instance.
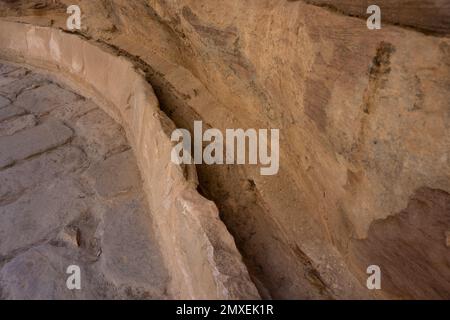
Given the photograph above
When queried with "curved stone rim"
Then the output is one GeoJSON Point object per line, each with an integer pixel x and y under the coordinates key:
{"type": "Point", "coordinates": [199, 252]}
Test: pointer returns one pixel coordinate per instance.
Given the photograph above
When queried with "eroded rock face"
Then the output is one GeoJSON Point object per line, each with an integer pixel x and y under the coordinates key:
{"type": "Point", "coordinates": [411, 245]}
{"type": "Point", "coordinates": [364, 119]}
{"type": "Point", "coordinates": [71, 194]}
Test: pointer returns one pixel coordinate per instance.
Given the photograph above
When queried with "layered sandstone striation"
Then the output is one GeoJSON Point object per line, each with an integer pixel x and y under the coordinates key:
{"type": "Point", "coordinates": [364, 118]}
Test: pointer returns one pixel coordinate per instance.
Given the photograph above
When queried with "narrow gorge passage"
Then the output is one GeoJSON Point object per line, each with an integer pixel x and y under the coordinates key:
{"type": "Point", "coordinates": [70, 194]}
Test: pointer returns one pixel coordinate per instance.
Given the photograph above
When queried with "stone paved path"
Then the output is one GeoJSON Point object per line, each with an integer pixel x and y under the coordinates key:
{"type": "Point", "coordinates": [70, 194]}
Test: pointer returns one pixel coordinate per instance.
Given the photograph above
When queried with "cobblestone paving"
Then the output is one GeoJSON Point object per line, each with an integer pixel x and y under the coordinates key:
{"type": "Point", "coordinates": [70, 194]}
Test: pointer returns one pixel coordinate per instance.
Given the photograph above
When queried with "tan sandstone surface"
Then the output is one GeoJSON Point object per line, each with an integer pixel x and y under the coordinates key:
{"type": "Point", "coordinates": [364, 119]}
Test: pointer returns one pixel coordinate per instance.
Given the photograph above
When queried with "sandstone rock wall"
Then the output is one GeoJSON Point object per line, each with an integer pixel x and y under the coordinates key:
{"type": "Point", "coordinates": [363, 118]}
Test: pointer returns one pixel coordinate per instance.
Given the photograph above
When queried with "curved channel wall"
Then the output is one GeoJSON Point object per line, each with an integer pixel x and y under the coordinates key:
{"type": "Point", "coordinates": [199, 253]}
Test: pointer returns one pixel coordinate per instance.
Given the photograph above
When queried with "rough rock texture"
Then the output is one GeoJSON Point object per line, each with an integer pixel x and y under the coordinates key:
{"type": "Point", "coordinates": [429, 16]}
{"type": "Point", "coordinates": [54, 211]}
{"type": "Point", "coordinates": [418, 234]}
{"type": "Point", "coordinates": [364, 118]}
{"type": "Point", "coordinates": [200, 254]}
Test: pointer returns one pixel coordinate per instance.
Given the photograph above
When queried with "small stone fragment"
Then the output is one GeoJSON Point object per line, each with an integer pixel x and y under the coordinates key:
{"type": "Point", "coordinates": [69, 236]}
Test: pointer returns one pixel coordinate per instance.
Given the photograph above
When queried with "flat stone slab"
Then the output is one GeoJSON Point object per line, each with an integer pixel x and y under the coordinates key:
{"type": "Point", "coordinates": [129, 251]}
{"type": "Point", "coordinates": [44, 99]}
{"type": "Point", "coordinates": [5, 69]}
{"type": "Point", "coordinates": [13, 87]}
{"type": "Point", "coordinates": [32, 141]}
{"type": "Point", "coordinates": [6, 81]}
{"type": "Point", "coordinates": [10, 112]}
{"type": "Point", "coordinates": [4, 102]}
{"type": "Point", "coordinates": [101, 135]}
{"type": "Point", "coordinates": [37, 214]}
{"type": "Point", "coordinates": [17, 180]}
{"type": "Point", "coordinates": [19, 280]}
{"type": "Point", "coordinates": [74, 110]}
{"type": "Point", "coordinates": [116, 175]}
{"type": "Point", "coordinates": [70, 194]}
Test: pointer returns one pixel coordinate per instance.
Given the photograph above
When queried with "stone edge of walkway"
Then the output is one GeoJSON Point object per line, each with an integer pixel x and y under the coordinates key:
{"type": "Point", "coordinates": [201, 255]}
